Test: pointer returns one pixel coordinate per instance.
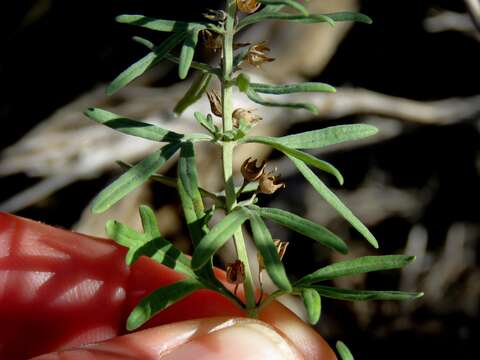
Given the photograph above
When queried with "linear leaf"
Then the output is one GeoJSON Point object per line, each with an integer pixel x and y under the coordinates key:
{"type": "Point", "coordinates": [149, 222]}
{"type": "Point", "coordinates": [206, 122]}
{"type": "Point", "coordinates": [304, 226]}
{"type": "Point", "coordinates": [313, 305]}
{"type": "Point", "coordinates": [188, 50]}
{"type": "Point", "coordinates": [194, 93]}
{"type": "Point", "coordinates": [268, 250]}
{"type": "Point", "coordinates": [159, 300]}
{"type": "Point", "coordinates": [138, 68]}
{"type": "Point", "coordinates": [344, 351]}
{"type": "Point", "coordinates": [300, 155]}
{"type": "Point", "coordinates": [159, 24]}
{"type": "Point", "coordinates": [132, 127]}
{"type": "Point", "coordinates": [290, 3]}
{"type": "Point", "coordinates": [151, 244]}
{"type": "Point", "coordinates": [334, 201]}
{"type": "Point", "coordinates": [328, 136]}
{"type": "Point", "coordinates": [292, 88]}
{"type": "Point", "coordinates": [363, 295]}
{"type": "Point", "coordinates": [218, 236]}
{"type": "Point", "coordinates": [187, 173]}
{"type": "Point", "coordinates": [133, 178]}
{"type": "Point", "coordinates": [310, 19]}
{"type": "Point", "coordinates": [253, 96]}
{"type": "Point", "coordinates": [357, 266]}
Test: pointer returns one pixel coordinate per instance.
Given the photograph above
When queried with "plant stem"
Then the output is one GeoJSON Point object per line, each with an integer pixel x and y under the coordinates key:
{"type": "Point", "coordinates": [228, 147]}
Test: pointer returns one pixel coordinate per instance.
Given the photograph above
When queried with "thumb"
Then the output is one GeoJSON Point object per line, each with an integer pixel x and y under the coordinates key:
{"type": "Point", "coordinates": [212, 338]}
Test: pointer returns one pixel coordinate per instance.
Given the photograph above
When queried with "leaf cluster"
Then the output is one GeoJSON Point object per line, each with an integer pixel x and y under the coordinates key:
{"type": "Point", "coordinates": [208, 239]}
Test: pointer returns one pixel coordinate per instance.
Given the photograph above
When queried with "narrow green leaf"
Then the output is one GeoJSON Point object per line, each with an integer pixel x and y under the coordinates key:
{"type": "Point", "coordinates": [363, 295]}
{"type": "Point", "coordinates": [310, 19]}
{"type": "Point", "coordinates": [350, 16]}
{"type": "Point", "coordinates": [268, 250]}
{"type": "Point", "coordinates": [344, 352]}
{"type": "Point", "coordinates": [290, 3]}
{"type": "Point", "coordinates": [280, 16]}
{"type": "Point", "coordinates": [304, 226]}
{"type": "Point", "coordinates": [300, 155]}
{"type": "Point", "coordinates": [149, 222]}
{"type": "Point", "coordinates": [150, 243]}
{"type": "Point", "coordinates": [243, 82]}
{"type": "Point", "coordinates": [159, 300]}
{"type": "Point", "coordinates": [253, 96]}
{"type": "Point", "coordinates": [188, 50]}
{"type": "Point", "coordinates": [218, 236]}
{"type": "Point", "coordinates": [159, 24]}
{"type": "Point", "coordinates": [206, 122]}
{"type": "Point", "coordinates": [132, 127]}
{"type": "Point", "coordinates": [194, 93]}
{"type": "Point", "coordinates": [357, 266]}
{"type": "Point", "coordinates": [142, 41]}
{"type": "Point", "coordinates": [135, 70]}
{"type": "Point", "coordinates": [187, 172]}
{"type": "Point", "coordinates": [292, 88]}
{"type": "Point", "coordinates": [133, 178]}
{"type": "Point", "coordinates": [313, 305]}
{"type": "Point", "coordinates": [328, 136]}
{"type": "Point", "coordinates": [334, 201]}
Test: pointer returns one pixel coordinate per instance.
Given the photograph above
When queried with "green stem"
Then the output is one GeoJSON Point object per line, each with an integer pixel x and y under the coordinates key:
{"type": "Point", "coordinates": [228, 147]}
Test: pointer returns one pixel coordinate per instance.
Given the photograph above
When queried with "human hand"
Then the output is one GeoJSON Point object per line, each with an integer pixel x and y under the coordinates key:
{"type": "Point", "coordinates": [60, 290]}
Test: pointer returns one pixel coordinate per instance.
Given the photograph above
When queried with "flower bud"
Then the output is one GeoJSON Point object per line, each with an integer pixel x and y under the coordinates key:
{"type": "Point", "coordinates": [250, 170]}
{"type": "Point", "coordinates": [248, 6]}
{"type": "Point", "coordinates": [236, 272]}
{"type": "Point", "coordinates": [269, 183]}
{"type": "Point", "coordinates": [256, 54]}
{"type": "Point", "coordinates": [215, 103]}
{"type": "Point", "coordinates": [247, 115]}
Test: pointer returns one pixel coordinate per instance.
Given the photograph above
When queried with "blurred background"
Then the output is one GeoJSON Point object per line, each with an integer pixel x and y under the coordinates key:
{"type": "Point", "coordinates": [414, 73]}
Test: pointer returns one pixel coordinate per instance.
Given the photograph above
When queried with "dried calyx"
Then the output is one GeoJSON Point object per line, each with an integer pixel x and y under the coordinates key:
{"type": "Point", "coordinates": [215, 103]}
{"type": "Point", "coordinates": [212, 40]}
{"type": "Point", "coordinates": [269, 183]}
{"type": "Point", "coordinates": [248, 116]}
{"type": "Point", "coordinates": [248, 6]}
{"type": "Point", "coordinates": [235, 272]}
{"type": "Point", "coordinates": [256, 54]}
{"type": "Point", "coordinates": [250, 170]}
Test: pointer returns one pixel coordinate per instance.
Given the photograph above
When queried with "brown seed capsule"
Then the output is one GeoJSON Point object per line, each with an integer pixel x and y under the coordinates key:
{"type": "Point", "coordinates": [250, 170]}
{"type": "Point", "coordinates": [236, 272]}
{"type": "Point", "coordinates": [247, 115]}
{"type": "Point", "coordinates": [269, 183]}
{"type": "Point", "coordinates": [212, 40]}
{"type": "Point", "coordinates": [281, 249]}
{"type": "Point", "coordinates": [248, 6]}
{"type": "Point", "coordinates": [215, 103]}
{"type": "Point", "coordinates": [256, 54]}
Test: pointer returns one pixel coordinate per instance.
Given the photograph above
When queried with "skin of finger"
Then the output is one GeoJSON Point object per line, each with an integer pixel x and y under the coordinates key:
{"type": "Point", "coordinates": [213, 338]}
{"type": "Point", "coordinates": [99, 316]}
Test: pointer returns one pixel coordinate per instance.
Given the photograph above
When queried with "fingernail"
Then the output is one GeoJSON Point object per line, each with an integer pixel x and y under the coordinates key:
{"type": "Point", "coordinates": [246, 339]}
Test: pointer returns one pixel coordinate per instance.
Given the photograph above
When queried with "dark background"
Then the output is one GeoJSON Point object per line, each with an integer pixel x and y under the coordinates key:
{"type": "Point", "coordinates": [52, 55]}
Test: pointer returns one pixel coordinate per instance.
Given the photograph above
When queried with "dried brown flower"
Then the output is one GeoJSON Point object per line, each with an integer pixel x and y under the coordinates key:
{"type": "Point", "coordinates": [236, 272]}
{"type": "Point", "coordinates": [281, 249]}
{"type": "Point", "coordinates": [215, 15]}
{"type": "Point", "coordinates": [269, 183]}
{"type": "Point", "coordinates": [212, 41]}
{"type": "Point", "coordinates": [215, 103]}
{"type": "Point", "coordinates": [248, 6]}
{"type": "Point", "coordinates": [247, 115]}
{"type": "Point", "coordinates": [256, 54]}
{"type": "Point", "coordinates": [250, 170]}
